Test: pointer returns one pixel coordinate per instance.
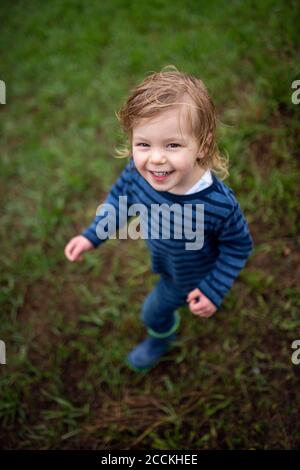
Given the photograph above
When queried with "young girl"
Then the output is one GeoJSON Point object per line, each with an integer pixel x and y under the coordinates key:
{"type": "Point", "coordinates": [170, 123]}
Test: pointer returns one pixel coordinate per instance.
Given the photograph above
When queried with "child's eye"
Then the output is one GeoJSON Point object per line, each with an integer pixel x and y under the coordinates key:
{"type": "Point", "coordinates": [142, 144]}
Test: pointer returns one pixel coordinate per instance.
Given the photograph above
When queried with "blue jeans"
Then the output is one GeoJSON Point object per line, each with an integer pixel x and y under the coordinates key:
{"type": "Point", "coordinates": [158, 310]}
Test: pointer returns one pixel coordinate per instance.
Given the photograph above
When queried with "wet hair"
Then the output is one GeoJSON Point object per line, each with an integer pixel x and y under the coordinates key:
{"type": "Point", "coordinates": [170, 88]}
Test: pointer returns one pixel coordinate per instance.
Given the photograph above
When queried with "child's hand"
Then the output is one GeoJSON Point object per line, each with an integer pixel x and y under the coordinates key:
{"type": "Point", "coordinates": [200, 305]}
{"type": "Point", "coordinates": [76, 246]}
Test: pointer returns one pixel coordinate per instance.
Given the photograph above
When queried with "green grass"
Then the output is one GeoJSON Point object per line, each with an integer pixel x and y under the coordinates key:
{"type": "Point", "coordinates": [229, 383]}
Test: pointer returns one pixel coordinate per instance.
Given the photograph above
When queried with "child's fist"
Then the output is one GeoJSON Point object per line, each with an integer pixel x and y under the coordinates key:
{"type": "Point", "coordinates": [76, 246]}
{"type": "Point", "coordinates": [200, 305]}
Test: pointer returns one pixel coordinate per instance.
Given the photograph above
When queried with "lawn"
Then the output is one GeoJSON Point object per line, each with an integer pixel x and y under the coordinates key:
{"type": "Point", "coordinates": [229, 383]}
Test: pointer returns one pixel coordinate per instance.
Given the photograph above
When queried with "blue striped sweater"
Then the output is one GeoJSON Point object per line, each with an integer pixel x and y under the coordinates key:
{"type": "Point", "coordinates": [227, 242]}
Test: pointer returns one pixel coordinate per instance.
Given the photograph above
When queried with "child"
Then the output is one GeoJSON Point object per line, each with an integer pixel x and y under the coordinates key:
{"type": "Point", "coordinates": [170, 123]}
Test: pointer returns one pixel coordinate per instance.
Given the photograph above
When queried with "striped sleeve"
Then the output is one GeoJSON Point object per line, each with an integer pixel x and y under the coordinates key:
{"type": "Point", "coordinates": [112, 214]}
{"type": "Point", "coordinates": [235, 245]}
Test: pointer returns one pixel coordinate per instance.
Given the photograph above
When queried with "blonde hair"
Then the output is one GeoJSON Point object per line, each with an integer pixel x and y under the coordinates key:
{"type": "Point", "coordinates": [166, 89]}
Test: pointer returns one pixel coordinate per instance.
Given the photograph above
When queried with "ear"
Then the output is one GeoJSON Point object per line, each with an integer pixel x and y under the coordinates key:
{"type": "Point", "coordinates": [201, 155]}
{"type": "Point", "coordinates": [205, 145]}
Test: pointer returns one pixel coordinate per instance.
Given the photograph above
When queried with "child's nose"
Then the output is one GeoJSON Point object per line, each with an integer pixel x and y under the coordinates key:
{"type": "Point", "coordinates": [157, 156]}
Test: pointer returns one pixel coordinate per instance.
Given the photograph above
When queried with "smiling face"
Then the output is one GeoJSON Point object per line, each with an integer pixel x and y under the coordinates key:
{"type": "Point", "coordinates": [165, 152]}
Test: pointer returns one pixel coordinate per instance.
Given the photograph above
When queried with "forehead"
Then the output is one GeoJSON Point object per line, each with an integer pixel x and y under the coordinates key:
{"type": "Point", "coordinates": [175, 119]}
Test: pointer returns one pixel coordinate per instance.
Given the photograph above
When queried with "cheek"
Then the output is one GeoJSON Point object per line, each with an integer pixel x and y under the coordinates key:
{"type": "Point", "coordinates": [135, 155]}
{"type": "Point", "coordinates": [184, 164]}
{"type": "Point", "coordinates": [139, 160]}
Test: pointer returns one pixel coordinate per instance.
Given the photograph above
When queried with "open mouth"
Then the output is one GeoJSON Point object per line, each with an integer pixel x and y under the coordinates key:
{"type": "Point", "coordinates": [161, 174]}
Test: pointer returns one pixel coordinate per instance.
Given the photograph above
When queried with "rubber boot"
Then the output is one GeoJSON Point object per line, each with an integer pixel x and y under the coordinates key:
{"type": "Point", "coordinates": [148, 353]}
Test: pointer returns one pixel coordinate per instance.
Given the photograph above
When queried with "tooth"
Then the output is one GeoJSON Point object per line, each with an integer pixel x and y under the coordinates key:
{"type": "Point", "coordinates": [161, 173]}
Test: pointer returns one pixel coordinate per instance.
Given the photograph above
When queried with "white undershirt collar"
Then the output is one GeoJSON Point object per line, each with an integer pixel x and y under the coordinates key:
{"type": "Point", "coordinates": [204, 182]}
